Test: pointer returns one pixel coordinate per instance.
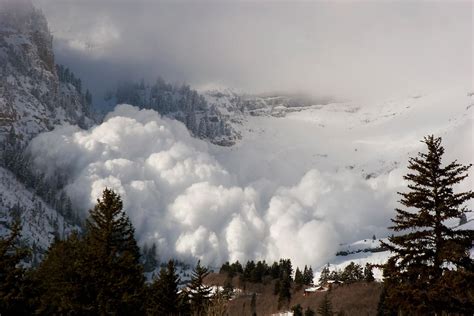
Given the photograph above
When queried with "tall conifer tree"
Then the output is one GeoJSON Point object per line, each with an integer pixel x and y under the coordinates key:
{"type": "Point", "coordinates": [299, 278]}
{"type": "Point", "coordinates": [430, 263]}
{"type": "Point", "coordinates": [199, 293]}
{"type": "Point", "coordinates": [368, 273]}
{"type": "Point", "coordinates": [325, 307]}
{"type": "Point", "coordinates": [64, 279]}
{"type": "Point", "coordinates": [12, 274]}
{"type": "Point", "coordinates": [114, 257]}
{"type": "Point", "coordinates": [308, 275]}
{"type": "Point", "coordinates": [325, 275]}
{"type": "Point", "coordinates": [164, 298]}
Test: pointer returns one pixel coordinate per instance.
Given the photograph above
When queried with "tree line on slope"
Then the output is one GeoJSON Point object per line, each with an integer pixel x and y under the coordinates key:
{"type": "Point", "coordinates": [260, 271]}
{"type": "Point", "coordinates": [280, 272]}
{"type": "Point", "coordinates": [285, 287]}
{"type": "Point", "coordinates": [15, 158]}
{"type": "Point", "coordinates": [181, 102]}
{"type": "Point", "coordinates": [67, 76]}
{"type": "Point", "coordinates": [353, 272]}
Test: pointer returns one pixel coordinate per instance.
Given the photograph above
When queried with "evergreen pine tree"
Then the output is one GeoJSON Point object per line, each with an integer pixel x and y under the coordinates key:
{"type": "Point", "coordinates": [237, 267]}
{"type": "Point", "coordinates": [199, 294]}
{"type": "Point", "coordinates": [13, 298]}
{"type": "Point", "coordinates": [308, 276]}
{"type": "Point", "coordinates": [284, 295]}
{"type": "Point", "coordinates": [64, 279]}
{"type": "Point", "coordinates": [163, 296]}
{"type": "Point", "coordinates": [226, 269]}
{"type": "Point", "coordinates": [335, 275]}
{"type": "Point", "coordinates": [299, 279]}
{"type": "Point", "coordinates": [325, 307]}
{"type": "Point", "coordinates": [382, 308]}
{"type": "Point", "coordinates": [149, 258]}
{"type": "Point", "coordinates": [114, 258]}
{"type": "Point", "coordinates": [368, 274]}
{"type": "Point", "coordinates": [352, 273]}
{"type": "Point", "coordinates": [286, 268]}
{"type": "Point", "coordinates": [275, 270]}
{"type": "Point", "coordinates": [430, 260]}
{"type": "Point", "coordinates": [325, 274]}
{"type": "Point", "coordinates": [259, 271]}
{"type": "Point", "coordinates": [248, 271]}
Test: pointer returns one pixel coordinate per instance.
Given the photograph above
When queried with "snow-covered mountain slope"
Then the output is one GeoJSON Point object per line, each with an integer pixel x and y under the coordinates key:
{"type": "Point", "coordinates": [40, 222]}
{"type": "Point", "coordinates": [32, 97]}
{"type": "Point", "coordinates": [367, 139]}
{"type": "Point", "coordinates": [35, 96]}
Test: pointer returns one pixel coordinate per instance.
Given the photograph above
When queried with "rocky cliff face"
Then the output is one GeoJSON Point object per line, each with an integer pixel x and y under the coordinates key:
{"type": "Point", "coordinates": [33, 98]}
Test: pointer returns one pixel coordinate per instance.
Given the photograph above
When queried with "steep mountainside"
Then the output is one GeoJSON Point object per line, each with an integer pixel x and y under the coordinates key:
{"type": "Point", "coordinates": [35, 95]}
{"type": "Point", "coordinates": [33, 98]}
{"type": "Point", "coordinates": [40, 222]}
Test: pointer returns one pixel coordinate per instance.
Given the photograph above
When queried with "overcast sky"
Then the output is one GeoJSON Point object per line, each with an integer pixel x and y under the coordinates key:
{"type": "Point", "coordinates": [343, 49]}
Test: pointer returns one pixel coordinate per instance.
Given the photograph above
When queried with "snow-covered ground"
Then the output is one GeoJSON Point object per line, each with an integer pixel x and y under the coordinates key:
{"type": "Point", "coordinates": [39, 221]}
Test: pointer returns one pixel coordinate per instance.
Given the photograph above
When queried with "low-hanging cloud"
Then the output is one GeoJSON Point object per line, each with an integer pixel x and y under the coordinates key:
{"type": "Point", "coordinates": [178, 196]}
{"type": "Point", "coordinates": [341, 49]}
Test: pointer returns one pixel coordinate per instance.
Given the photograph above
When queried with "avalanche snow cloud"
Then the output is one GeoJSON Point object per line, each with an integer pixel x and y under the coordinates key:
{"type": "Point", "coordinates": [179, 197]}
